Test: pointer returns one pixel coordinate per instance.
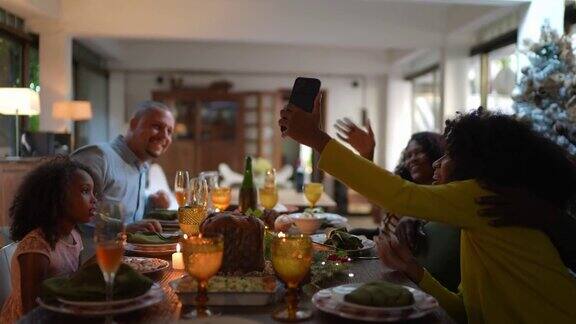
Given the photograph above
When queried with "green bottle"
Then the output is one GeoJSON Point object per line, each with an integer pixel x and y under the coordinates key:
{"type": "Point", "coordinates": [247, 199]}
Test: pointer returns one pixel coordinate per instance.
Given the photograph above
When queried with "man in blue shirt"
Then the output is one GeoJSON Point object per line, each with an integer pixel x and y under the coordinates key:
{"type": "Point", "coordinates": [121, 166]}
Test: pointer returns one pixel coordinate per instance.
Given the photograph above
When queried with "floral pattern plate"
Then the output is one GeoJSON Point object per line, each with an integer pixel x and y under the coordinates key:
{"type": "Point", "coordinates": [330, 301]}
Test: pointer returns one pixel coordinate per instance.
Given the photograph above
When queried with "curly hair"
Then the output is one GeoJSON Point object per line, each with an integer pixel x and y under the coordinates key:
{"type": "Point", "coordinates": [500, 150]}
{"type": "Point", "coordinates": [41, 198]}
{"type": "Point", "coordinates": [433, 145]}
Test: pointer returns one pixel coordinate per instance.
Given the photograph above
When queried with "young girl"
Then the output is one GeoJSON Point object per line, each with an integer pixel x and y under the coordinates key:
{"type": "Point", "coordinates": [51, 201]}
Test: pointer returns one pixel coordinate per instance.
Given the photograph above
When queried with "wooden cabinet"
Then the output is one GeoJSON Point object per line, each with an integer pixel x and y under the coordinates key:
{"type": "Point", "coordinates": [208, 130]}
{"type": "Point", "coordinates": [12, 174]}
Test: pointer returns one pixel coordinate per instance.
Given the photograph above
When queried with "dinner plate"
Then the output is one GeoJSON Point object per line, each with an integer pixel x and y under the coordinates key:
{"type": "Point", "coordinates": [162, 250]}
{"type": "Point", "coordinates": [334, 219]}
{"type": "Point", "coordinates": [329, 301]}
{"type": "Point", "coordinates": [343, 290]}
{"type": "Point", "coordinates": [154, 295]}
{"type": "Point", "coordinates": [99, 303]}
{"type": "Point", "coordinates": [366, 243]}
{"type": "Point", "coordinates": [146, 266]}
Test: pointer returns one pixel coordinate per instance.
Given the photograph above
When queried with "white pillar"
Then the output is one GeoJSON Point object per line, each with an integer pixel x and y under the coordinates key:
{"type": "Point", "coordinates": [116, 104]}
{"type": "Point", "coordinates": [55, 77]}
{"type": "Point", "coordinates": [397, 119]}
{"type": "Point", "coordinates": [454, 69]}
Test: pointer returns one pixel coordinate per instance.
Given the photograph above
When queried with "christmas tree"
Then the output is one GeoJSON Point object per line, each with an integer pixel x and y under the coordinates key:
{"type": "Point", "coordinates": [546, 93]}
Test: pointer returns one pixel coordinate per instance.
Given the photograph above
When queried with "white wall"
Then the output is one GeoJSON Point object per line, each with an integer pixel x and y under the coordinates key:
{"type": "Point", "coordinates": [342, 100]}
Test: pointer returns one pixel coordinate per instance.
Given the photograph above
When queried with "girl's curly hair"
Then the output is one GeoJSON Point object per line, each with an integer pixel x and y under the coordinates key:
{"type": "Point", "coordinates": [41, 198]}
{"type": "Point", "coordinates": [433, 145]}
{"type": "Point", "coordinates": [500, 150]}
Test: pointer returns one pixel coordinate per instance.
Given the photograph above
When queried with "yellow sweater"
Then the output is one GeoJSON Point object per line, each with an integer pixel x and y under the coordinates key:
{"type": "Point", "coordinates": [509, 275]}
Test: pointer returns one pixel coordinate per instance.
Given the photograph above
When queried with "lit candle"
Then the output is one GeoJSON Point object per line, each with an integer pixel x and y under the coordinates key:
{"type": "Point", "coordinates": [177, 259]}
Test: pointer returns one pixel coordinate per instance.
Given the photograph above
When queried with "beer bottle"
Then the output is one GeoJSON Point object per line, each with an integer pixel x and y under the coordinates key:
{"type": "Point", "coordinates": [247, 199]}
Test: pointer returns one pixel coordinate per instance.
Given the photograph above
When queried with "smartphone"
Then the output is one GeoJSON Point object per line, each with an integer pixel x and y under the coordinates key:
{"type": "Point", "coordinates": [304, 92]}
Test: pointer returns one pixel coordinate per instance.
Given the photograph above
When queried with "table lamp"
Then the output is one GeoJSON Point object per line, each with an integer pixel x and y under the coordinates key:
{"type": "Point", "coordinates": [74, 110]}
{"type": "Point", "coordinates": [16, 102]}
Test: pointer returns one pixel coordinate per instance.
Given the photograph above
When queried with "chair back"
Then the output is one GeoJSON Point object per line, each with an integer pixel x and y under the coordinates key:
{"type": "Point", "coordinates": [229, 177]}
{"type": "Point", "coordinates": [6, 254]}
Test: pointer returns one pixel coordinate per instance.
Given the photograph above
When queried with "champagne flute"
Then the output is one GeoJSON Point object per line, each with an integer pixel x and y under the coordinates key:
{"type": "Point", "coordinates": [109, 238]}
{"type": "Point", "coordinates": [202, 260]}
{"type": "Point", "coordinates": [313, 192]}
{"type": "Point", "coordinates": [191, 216]}
{"type": "Point", "coordinates": [291, 259]}
{"type": "Point", "coordinates": [268, 197]}
{"type": "Point", "coordinates": [181, 187]}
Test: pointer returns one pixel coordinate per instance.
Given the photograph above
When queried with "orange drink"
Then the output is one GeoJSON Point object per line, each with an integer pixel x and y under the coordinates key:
{"type": "Point", "coordinates": [190, 218]}
{"type": "Point", "coordinates": [180, 198]}
{"type": "Point", "coordinates": [109, 256]}
{"type": "Point", "coordinates": [268, 197]}
{"type": "Point", "coordinates": [313, 192]}
{"type": "Point", "coordinates": [221, 197]}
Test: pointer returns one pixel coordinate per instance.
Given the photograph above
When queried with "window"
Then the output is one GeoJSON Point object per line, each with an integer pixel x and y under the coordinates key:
{"type": "Point", "coordinates": [18, 51]}
{"type": "Point", "coordinates": [426, 109]}
{"type": "Point", "coordinates": [502, 69]}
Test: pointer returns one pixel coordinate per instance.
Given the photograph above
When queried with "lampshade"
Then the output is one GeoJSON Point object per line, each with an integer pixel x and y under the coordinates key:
{"type": "Point", "coordinates": [72, 110]}
{"type": "Point", "coordinates": [19, 101]}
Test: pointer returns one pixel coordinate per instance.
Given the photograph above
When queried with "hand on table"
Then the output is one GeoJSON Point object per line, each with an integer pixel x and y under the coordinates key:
{"type": "Point", "coordinates": [361, 140]}
{"type": "Point", "coordinates": [160, 199]}
{"type": "Point", "coordinates": [397, 256]}
{"type": "Point", "coordinates": [516, 207]}
{"type": "Point", "coordinates": [146, 225]}
{"type": "Point", "coordinates": [304, 127]}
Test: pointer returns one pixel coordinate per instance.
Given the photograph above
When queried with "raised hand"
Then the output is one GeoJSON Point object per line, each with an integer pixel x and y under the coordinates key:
{"type": "Point", "coordinates": [304, 127]}
{"type": "Point", "coordinates": [361, 140]}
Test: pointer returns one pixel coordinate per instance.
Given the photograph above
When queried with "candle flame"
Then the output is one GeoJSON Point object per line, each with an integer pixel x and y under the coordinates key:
{"type": "Point", "coordinates": [281, 234]}
{"type": "Point", "coordinates": [178, 247]}
{"type": "Point", "coordinates": [185, 236]}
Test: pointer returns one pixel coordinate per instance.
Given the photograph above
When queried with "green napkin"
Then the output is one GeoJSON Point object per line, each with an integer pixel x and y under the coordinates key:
{"type": "Point", "coordinates": [162, 214]}
{"type": "Point", "coordinates": [150, 238]}
{"type": "Point", "coordinates": [380, 294]}
{"type": "Point", "coordinates": [88, 285]}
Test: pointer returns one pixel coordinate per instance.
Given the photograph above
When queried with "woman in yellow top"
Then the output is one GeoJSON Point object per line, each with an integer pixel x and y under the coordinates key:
{"type": "Point", "coordinates": [509, 274]}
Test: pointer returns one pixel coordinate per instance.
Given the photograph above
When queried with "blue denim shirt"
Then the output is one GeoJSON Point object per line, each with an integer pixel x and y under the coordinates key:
{"type": "Point", "coordinates": [121, 176]}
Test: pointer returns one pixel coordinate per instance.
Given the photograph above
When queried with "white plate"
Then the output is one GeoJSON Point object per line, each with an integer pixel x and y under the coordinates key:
{"type": "Point", "coordinates": [332, 218]}
{"type": "Point", "coordinates": [161, 264]}
{"type": "Point", "coordinates": [367, 244]}
{"type": "Point", "coordinates": [153, 251]}
{"type": "Point", "coordinates": [339, 292]}
{"type": "Point", "coordinates": [152, 297]}
{"type": "Point", "coordinates": [329, 301]}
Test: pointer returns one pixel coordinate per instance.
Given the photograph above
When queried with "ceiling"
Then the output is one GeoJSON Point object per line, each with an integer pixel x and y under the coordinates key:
{"type": "Point", "coordinates": [372, 30]}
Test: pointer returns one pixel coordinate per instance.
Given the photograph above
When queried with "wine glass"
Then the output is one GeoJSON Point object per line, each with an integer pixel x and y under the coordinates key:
{"type": "Point", "coordinates": [202, 260]}
{"type": "Point", "coordinates": [181, 187]}
{"type": "Point", "coordinates": [221, 197]}
{"type": "Point", "coordinates": [191, 216]}
{"type": "Point", "coordinates": [109, 237]}
{"type": "Point", "coordinates": [211, 178]}
{"type": "Point", "coordinates": [291, 259]}
{"type": "Point", "coordinates": [313, 192]}
{"type": "Point", "coordinates": [268, 197]}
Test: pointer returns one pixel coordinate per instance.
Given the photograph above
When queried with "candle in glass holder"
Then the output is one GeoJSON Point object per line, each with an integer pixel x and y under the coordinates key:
{"type": "Point", "coordinates": [177, 259]}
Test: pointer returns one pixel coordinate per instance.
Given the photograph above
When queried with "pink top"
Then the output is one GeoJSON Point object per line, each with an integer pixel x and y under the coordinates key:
{"type": "Point", "coordinates": [63, 261]}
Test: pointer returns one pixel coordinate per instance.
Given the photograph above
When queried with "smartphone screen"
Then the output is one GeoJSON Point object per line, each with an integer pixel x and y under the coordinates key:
{"type": "Point", "coordinates": [304, 92]}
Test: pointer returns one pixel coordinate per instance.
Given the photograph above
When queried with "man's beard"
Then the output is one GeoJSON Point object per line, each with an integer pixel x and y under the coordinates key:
{"type": "Point", "coordinates": [153, 154]}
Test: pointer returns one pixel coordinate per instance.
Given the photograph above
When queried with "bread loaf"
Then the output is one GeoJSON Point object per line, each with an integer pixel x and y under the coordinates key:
{"type": "Point", "coordinates": [243, 241]}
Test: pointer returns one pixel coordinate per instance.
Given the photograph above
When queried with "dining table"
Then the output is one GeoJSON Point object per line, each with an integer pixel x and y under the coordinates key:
{"type": "Point", "coordinates": [171, 309]}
